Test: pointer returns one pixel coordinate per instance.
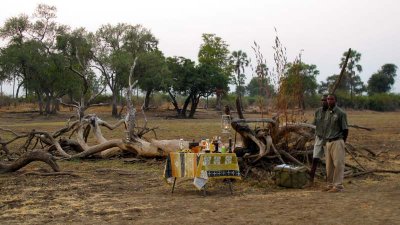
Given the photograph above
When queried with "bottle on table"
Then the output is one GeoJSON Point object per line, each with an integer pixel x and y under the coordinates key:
{"type": "Point", "coordinates": [207, 145]}
{"type": "Point", "coordinates": [230, 145]}
{"type": "Point", "coordinates": [203, 144]}
{"type": "Point", "coordinates": [216, 144]}
{"type": "Point", "coordinates": [181, 144]}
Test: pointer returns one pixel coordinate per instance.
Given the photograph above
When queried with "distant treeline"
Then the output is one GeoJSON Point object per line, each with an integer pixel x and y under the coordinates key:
{"type": "Point", "coordinates": [377, 102]}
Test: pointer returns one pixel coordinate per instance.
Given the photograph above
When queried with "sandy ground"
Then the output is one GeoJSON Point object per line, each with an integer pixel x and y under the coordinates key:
{"type": "Point", "coordinates": [140, 196]}
{"type": "Point", "coordinates": [118, 192]}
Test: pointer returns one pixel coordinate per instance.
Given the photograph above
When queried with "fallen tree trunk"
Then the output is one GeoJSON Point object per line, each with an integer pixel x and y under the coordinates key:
{"type": "Point", "coordinates": [25, 159]}
{"type": "Point", "coordinates": [373, 171]}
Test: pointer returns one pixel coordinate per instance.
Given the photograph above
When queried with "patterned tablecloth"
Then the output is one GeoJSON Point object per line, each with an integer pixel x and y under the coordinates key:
{"type": "Point", "coordinates": [201, 166]}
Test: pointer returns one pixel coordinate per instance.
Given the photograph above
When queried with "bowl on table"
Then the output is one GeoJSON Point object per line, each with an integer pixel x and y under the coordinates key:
{"type": "Point", "coordinates": [196, 149]}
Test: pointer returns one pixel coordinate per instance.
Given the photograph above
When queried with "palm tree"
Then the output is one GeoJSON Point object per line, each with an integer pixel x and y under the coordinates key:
{"type": "Point", "coordinates": [352, 67]}
{"type": "Point", "coordinates": [239, 61]}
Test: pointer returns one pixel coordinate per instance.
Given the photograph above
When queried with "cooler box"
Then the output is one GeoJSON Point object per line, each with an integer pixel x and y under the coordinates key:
{"type": "Point", "coordinates": [290, 176]}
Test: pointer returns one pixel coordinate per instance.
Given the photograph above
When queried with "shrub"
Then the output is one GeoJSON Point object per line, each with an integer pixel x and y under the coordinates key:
{"type": "Point", "coordinates": [312, 101]}
{"type": "Point", "coordinates": [5, 100]}
{"type": "Point", "coordinates": [104, 98]}
{"type": "Point", "coordinates": [384, 102]}
{"type": "Point", "coordinates": [158, 99]}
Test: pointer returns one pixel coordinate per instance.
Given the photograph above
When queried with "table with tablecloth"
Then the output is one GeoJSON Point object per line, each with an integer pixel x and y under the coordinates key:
{"type": "Point", "coordinates": [201, 167]}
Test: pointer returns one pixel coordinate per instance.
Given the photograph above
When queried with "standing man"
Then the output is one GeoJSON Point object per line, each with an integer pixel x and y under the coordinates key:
{"type": "Point", "coordinates": [318, 152]}
{"type": "Point", "coordinates": [336, 132]}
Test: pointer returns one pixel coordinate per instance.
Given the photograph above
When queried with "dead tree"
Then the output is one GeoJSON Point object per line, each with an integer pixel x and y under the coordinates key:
{"type": "Point", "coordinates": [290, 143]}
{"type": "Point", "coordinates": [25, 159]}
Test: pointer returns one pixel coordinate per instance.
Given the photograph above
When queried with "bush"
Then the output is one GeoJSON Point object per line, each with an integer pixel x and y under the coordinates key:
{"type": "Point", "coordinates": [313, 101]}
{"type": "Point", "coordinates": [377, 102]}
{"type": "Point", "coordinates": [158, 99]}
{"type": "Point", "coordinates": [384, 102]}
{"type": "Point", "coordinates": [360, 102]}
{"type": "Point", "coordinates": [230, 100]}
{"type": "Point", "coordinates": [252, 100]}
{"type": "Point", "coordinates": [5, 100]}
{"type": "Point", "coordinates": [103, 99]}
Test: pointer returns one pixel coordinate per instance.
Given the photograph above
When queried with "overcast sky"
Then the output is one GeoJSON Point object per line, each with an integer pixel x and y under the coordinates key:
{"type": "Point", "coordinates": [323, 29]}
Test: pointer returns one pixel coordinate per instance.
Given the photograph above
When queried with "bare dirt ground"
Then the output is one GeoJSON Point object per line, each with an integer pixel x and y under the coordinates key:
{"type": "Point", "coordinates": [118, 192]}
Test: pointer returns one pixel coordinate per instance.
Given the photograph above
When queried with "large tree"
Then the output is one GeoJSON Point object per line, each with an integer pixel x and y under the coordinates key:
{"type": "Point", "coordinates": [14, 32]}
{"type": "Point", "coordinates": [31, 57]}
{"type": "Point", "coordinates": [195, 81]}
{"type": "Point", "coordinates": [183, 74]}
{"type": "Point", "coordinates": [351, 77]}
{"type": "Point", "coordinates": [260, 87]}
{"type": "Point", "coordinates": [383, 80]}
{"type": "Point", "coordinates": [81, 84]}
{"type": "Point", "coordinates": [116, 49]}
{"type": "Point", "coordinates": [239, 61]}
{"type": "Point", "coordinates": [300, 82]}
{"type": "Point", "coordinates": [152, 74]}
{"type": "Point", "coordinates": [214, 64]}
{"type": "Point", "coordinates": [351, 83]}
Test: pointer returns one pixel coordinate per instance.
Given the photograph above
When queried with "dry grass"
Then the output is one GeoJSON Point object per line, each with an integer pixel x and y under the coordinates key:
{"type": "Point", "coordinates": [111, 191]}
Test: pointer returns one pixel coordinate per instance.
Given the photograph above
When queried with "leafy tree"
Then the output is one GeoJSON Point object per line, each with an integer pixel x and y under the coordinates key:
{"type": "Point", "coordinates": [358, 85]}
{"type": "Point", "coordinates": [191, 82]}
{"type": "Point", "coordinates": [183, 75]}
{"type": "Point", "coordinates": [257, 87]}
{"type": "Point", "coordinates": [116, 48]}
{"type": "Point", "coordinates": [214, 66]}
{"type": "Point", "coordinates": [352, 80]}
{"type": "Point", "coordinates": [239, 61]}
{"type": "Point", "coordinates": [382, 81]}
{"type": "Point", "coordinates": [324, 87]}
{"type": "Point", "coordinates": [195, 81]}
{"type": "Point", "coordinates": [31, 57]}
{"type": "Point", "coordinates": [12, 58]}
{"type": "Point", "coordinates": [300, 82]}
{"type": "Point", "coordinates": [81, 82]}
{"type": "Point", "coordinates": [15, 29]}
{"type": "Point", "coordinates": [152, 74]}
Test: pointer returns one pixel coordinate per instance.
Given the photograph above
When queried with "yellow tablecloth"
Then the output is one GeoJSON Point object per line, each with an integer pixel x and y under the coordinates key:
{"type": "Point", "coordinates": [201, 166]}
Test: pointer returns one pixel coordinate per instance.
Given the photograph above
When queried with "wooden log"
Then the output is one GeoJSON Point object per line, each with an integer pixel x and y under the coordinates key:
{"type": "Point", "coordinates": [374, 171]}
{"type": "Point", "coordinates": [25, 159]}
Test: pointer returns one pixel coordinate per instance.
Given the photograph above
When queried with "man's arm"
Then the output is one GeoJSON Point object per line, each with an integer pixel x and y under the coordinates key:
{"type": "Point", "coordinates": [345, 134]}
{"type": "Point", "coordinates": [345, 127]}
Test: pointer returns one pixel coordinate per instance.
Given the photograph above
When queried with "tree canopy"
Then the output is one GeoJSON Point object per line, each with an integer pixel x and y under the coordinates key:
{"type": "Point", "coordinates": [49, 60]}
{"type": "Point", "coordinates": [382, 81]}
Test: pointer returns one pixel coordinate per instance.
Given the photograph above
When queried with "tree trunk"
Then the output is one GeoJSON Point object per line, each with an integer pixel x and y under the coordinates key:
{"type": "Point", "coordinates": [48, 104]}
{"type": "Point", "coordinates": [185, 106]}
{"type": "Point", "coordinates": [114, 111]}
{"type": "Point", "coordinates": [195, 102]}
{"type": "Point", "coordinates": [147, 99]}
{"type": "Point", "coordinates": [218, 93]}
{"type": "Point", "coordinates": [56, 106]}
{"type": "Point", "coordinates": [36, 155]}
{"type": "Point", "coordinates": [40, 102]}
{"type": "Point", "coordinates": [174, 103]}
{"type": "Point", "coordinates": [239, 109]}
{"type": "Point", "coordinates": [130, 119]}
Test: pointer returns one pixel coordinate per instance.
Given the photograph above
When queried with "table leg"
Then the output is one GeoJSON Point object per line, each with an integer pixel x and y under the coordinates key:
{"type": "Point", "coordinates": [204, 191]}
{"type": "Point", "coordinates": [230, 186]}
{"type": "Point", "coordinates": [173, 186]}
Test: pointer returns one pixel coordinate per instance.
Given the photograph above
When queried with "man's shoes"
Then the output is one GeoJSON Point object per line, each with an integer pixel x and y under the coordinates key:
{"type": "Point", "coordinates": [327, 188]}
{"type": "Point", "coordinates": [309, 185]}
{"type": "Point", "coordinates": [335, 190]}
